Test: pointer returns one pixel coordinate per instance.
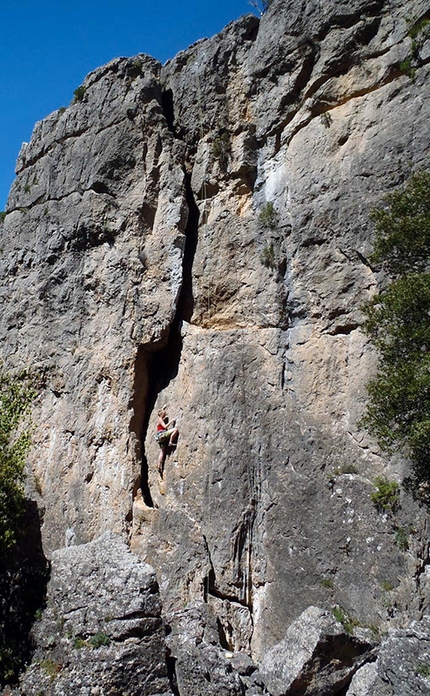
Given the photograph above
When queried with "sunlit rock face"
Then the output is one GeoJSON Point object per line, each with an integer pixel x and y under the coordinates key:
{"type": "Point", "coordinates": [197, 235]}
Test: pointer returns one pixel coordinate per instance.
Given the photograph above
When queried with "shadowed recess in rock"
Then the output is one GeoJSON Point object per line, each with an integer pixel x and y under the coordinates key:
{"type": "Point", "coordinates": [153, 372]}
{"type": "Point", "coordinates": [154, 369]}
{"type": "Point", "coordinates": [186, 297]}
{"type": "Point", "coordinates": [24, 575]}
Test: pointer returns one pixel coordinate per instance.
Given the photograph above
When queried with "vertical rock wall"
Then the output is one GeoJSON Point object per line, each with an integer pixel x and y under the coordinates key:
{"type": "Point", "coordinates": [198, 234]}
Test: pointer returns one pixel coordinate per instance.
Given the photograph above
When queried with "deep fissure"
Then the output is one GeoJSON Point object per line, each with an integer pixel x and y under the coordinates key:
{"type": "Point", "coordinates": [156, 367]}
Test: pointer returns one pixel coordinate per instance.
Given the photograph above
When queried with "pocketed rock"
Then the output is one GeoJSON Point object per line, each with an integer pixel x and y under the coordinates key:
{"type": "Point", "coordinates": [101, 633]}
{"type": "Point", "coordinates": [316, 658]}
{"type": "Point", "coordinates": [402, 667]}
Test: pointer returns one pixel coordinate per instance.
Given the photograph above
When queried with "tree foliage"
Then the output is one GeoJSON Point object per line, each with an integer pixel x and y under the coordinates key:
{"type": "Point", "coordinates": [398, 322]}
{"type": "Point", "coordinates": [16, 394]}
{"type": "Point", "coordinates": [24, 569]}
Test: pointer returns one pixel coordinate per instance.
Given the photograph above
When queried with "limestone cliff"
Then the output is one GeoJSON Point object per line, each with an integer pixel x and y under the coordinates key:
{"type": "Point", "coordinates": [198, 234]}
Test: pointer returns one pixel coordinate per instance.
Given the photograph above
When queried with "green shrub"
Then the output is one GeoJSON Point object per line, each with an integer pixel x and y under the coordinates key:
{"type": "Point", "coordinates": [99, 639]}
{"type": "Point", "coordinates": [407, 68]}
{"type": "Point", "coordinates": [347, 621]}
{"type": "Point", "coordinates": [423, 670]}
{"type": "Point", "coordinates": [268, 216]}
{"type": "Point", "coordinates": [268, 257]}
{"type": "Point", "coordinates": [16, 395]}
{"type": "Point", "coordinates": [386, 494]}
{"type": "Point", "coordinates": [327, 583]}
{"type": "Point", "coordinates": [51, 667]}
{"type": "Point", "coordinates": [346, 469]}
{"type": "Point", "coordinates": [416, 27]}
{"type": "Point", "coordinates": [2, 216]}
{"type": "Point", "coordinates": [79, 93]}
{"type": "Point", "coordinates": [401, 538]}
{"type": "Point", "coordinates": [397, 322]}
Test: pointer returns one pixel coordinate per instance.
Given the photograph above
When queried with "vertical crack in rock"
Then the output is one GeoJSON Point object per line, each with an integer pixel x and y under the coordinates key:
{"type": "Point", "coordinates": [171, 673]}
{"type": "Point", "coordinates": [139, 421]}
{"type": "Point", "coordinates": [157, 365]}
{"type": "Point", "coordinates": [186, 297]}
{"type": "Point", "coordinates": [242, 554]}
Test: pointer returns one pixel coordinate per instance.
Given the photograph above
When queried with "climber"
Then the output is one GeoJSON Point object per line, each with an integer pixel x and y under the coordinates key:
{"type": "Point", "coordinates": [167, 435]}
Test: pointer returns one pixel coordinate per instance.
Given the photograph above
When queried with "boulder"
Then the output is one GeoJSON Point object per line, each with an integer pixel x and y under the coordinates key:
{"type": "Point", "coordinates": [316, 658]}
{"type": "Point", "coordinates": [101, 632]}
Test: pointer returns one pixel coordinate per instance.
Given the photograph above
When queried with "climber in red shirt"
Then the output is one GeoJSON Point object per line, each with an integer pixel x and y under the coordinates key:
{"type": "Point", "coordinates": [167, 435]}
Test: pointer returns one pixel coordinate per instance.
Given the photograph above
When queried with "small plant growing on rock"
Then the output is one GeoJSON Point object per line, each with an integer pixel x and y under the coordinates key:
{"type": "Point", "coordinates": [407, 68]}
{"type": "Point", "coordinates": [220, 149]}
{"type": "Point", "coordinates": [347, 621]}
{"type": "Point", "coordinates": [51, 668]}
{"type": "Point", "coordinates": [419, 32]}
{"type": "Point", "coordinates": [401, 539]}
{"type": "Point", "coordinates": [268, 216]}
{"type": "Point", "coordinates": [2, 216]}
{"type": "Point", "coordinates": [79, 93]}
{"type": "Point", "coordinates": [346, 469]}
{"type": "Point", "coordinates": [99, 639]}
{"type": "Point", "coordinates": [327, 583]}
{"type": "Point", "coordinates": [423, 670]}
{"type": "Point", "coordinates": [385, 497]}
{"type": "Point", "coordinates": [268, 257]}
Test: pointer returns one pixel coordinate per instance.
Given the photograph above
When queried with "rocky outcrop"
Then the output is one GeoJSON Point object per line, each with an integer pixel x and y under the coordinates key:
{"type": "Point", "coordinates": [402, 665]}
{"type": "Point", "coordinates": [101, 632]}
{"type": "Point", "coordinates": [316, 657]}
{"type": "Point", "coordinates": [198, 234]}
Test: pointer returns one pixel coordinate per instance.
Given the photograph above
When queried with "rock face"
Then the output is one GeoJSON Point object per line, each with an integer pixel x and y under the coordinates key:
{"type": "Point", "coordinates": [198, 234]}
{"type": "Point", "coordinates": [307, 660]}
{"type": "Point", "coordinates": [101, 632]}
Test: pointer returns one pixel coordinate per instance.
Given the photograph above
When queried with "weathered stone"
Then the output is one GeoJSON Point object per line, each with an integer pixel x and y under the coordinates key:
{"type": "Point", "coordinates": [402, 667]}
{"type": "Point", "coordinates": [101, 632]}
{"type": "Point", "coordinates": [95, 226]}
{"type": "Point", "coordinates": [202, 666]}
{"type": "Point", "coordinates": [316, 658]}
{"type": "Point", "coordinates": [198, 234]}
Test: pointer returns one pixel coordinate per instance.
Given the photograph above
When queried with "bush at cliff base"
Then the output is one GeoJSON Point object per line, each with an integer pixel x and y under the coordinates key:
{"type": "Point", "coordinates": [398, 323]}
{"type": "Point", "coordinates": [16, 395]}
{"type": "Point", "coordinates": [23, 568]}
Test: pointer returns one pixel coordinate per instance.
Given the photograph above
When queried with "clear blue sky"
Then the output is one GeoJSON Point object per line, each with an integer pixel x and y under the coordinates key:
{"type": "Point", "coordinates": [48, 46]}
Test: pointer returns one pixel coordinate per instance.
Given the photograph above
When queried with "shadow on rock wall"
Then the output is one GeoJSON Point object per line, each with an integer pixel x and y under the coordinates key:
{"type": "Point", "coordinates": [24, 574]}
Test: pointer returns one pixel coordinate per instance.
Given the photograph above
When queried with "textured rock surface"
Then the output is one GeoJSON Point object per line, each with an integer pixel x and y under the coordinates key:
{"type": "Point", "coordinates": [101, 632]}
{"type": "Point", "coordinates": [141, 264]}
{"type": "Point", "coordinates": [316, 657]}
{"type": "Point", "coordinates": [92, 283]}
{"type": "Point", "coordinates": [402, 666]}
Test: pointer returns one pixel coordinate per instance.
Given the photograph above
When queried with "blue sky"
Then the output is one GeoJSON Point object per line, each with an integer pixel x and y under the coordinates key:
{"type": "Point", "coordinates": [48, 46]}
